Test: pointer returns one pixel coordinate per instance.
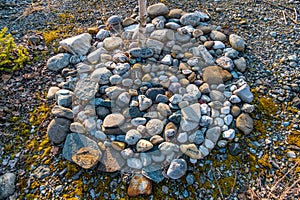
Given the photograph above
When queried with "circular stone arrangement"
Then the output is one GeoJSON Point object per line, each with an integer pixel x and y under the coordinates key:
{"type": "Point", "coordinates": [169, 102]}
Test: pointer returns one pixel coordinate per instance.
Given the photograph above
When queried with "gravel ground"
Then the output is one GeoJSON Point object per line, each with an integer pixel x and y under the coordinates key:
{"type": "Point", "coordinates": [269, 165]}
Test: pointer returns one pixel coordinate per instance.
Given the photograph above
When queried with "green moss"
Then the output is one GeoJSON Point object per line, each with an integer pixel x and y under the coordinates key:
{"type": "Point", "coordinates": [49, 36]}
{"type": "Point", "coordinates": [12, 57]}
{"type": "Point", "coordinates": [294, 138]}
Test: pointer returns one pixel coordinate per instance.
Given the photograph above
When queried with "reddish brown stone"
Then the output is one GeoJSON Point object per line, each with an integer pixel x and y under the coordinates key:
{"type": "Point", "coordinates": [139, 185]}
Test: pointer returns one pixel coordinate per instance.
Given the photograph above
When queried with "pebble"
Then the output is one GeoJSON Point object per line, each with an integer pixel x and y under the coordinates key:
{"type": "Point", "coordinates": [190, 150]}
{"type": "Point", "coordinates": [113, 120]}
{"type": "Point", "coordinates": [237, 42]}
{"type": "Point", "coordinates": [144, 102]}
{"type": "Point", "coordinates": [244, 123]}
{"type": "Point", "coordinates": [7, 185]}
{"type": "Point", "coordinates": [177, 168]}
{"type": "Point", "coordinates": [112, 43]}
{"type": "Point", "coordinates": [225, 63]}
{"type": "Point", "coordinates": [143, 145]}
{"type": "Point", "coordinates": [132, 137]}
{"type": "Point", "coordinates": [229, 134]}
{"type": "Point", "coordinates": [58, 62]}
{"type": "Point", "coordinates": [153, 172]}
{"type": "Point", "coordinates": [58, 129]}
{"type": "Point", "coordinates": [235, 149]}
{"type": "Point", "coordinates": [154, 127]}
{"type": "Point", "coordinates": [244, 93]}
{"type": "Point", "coordinates": [291, 154]}
{"type": "Point", "coordinates": [217, 36]}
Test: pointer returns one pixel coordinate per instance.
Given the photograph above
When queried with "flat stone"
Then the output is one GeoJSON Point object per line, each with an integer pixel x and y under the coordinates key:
{"type": "Point", "coordinates": [76, 141]}
{"type": "Point", "coordinates": [186, 125]}
{"type": "Point", "coordinates": [237, 42]}
{"type": "Point", "coordinates": [162, 35]}
{"type": "Point", "coordinates": [58, 129]}
{"type": "Point", "coordinates": [87, 157]}
{"type": "Point", "coordinates": [244, 93]}
{"type": "Point", "coordinates": [143, 145]}
{"type": "Point", "coordinates": [225, 63]}
{"type": "Point", "coordinates": [154, 127]}
{"type": "Point", "coordinates": [167, 148]}
{"type": "Point", "coordinates": [59, 111]}
{"type": "Point", "coordinates": [158, 9]}
{"type": "Point", "coordinates": [59, 61]}
{"type": "Point", "coordinates": [79, 44]}
{"type": "Point", "coordinates": [155, 45]}
{"type": "Point", "coordinates": [191, 113]}
{"type": "Point", "coordinates": [101, 75]}
{"type": "Point", "coordinates": [134, 163]}
{"type": "Point", "coordinates": [7, 185]}
{"type": "Point", "coordinates": [113, 120]}
{"type": "Point", "coordinates": [240, 64]}
{"type": "Point", "coordinates": [244, 123]}
{"type": "Point", "coordinates": [86, 89]}
{"type": "Point", "coordinates": [111, 161]}
{"type": "Point", "coordinates": [190, 150]}
{"type": "Point", "coordinates": [132, 137]}
{"type": "Point", "coordinates": [177, 168]}
{"type": "Point", "coordinates": [213, 134]}
{"type": "Point", "coordinates": [77, 127]}
{"type": "Point", "coordinates": [138, 185]}
{"type": "Point", "coordinates": [217, 35]}
{"type": "Point", "coordinates": [141, 52]}
{"type": "Point", "coordinates": [215, 75]}
{"type": "Point", "coordinates": [84, 68]}
{"type": "Point", "coordinates": [112, 43]}
{"type": "Point", "coordinates": [153, 172]}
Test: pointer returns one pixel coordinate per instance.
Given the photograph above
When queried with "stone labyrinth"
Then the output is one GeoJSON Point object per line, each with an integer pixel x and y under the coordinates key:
{"type": "Point", "coordinates": [122, 106]}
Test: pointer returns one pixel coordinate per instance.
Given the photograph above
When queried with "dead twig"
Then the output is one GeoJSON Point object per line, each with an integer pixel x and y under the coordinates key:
{"type": "Point", "coordinates": [219, 188]}
{"type": "Point", "coordinates": [288, 189]}
{"type": "Point", "coordinates": [284, 17]}
{"type": "Point", "coordinates": [296, 15]}
{"type": "Point", "coordinates": [234, 182]}
{"type": "Point", "coordinates": [274, 186]}
{"type": "Point", "coordinates": [278, 6]}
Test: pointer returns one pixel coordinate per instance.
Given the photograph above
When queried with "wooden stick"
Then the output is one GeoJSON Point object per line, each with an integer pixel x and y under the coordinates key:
{"type": "Point", "coordinates": [219, 188]}
{"type": "Point", "coordinates": [284, 17]}
{"type": "Point", "coordinates": [277, 5]}
{"type": "Point", "coordinates": [288, 189]}
{"type": "Point", "coordinates": [273, 187]}
{"type": "Point", "coordinates": [296, 15]}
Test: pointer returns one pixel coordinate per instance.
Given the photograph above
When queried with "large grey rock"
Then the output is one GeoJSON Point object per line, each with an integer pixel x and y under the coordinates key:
{"type": "Point", "coordinates": [177, 168]}
{"type": "Point", "coordinates": [154, 127]}
{"type": "Point", "coordinates": [244, 93]}
{"type": "Point", "coordinates": [215, 75]}
{"type": "Point", "coordinates": [59, 111]}
{"type": "Point", "coordinates": [7, 185]}
{"type": "Point", "coordinates": [111, 161]}
{"type": "Point", "coordinates": [58, 61]}
{"type": "Point", "coordinates": [155, 45]}
{"type": "Point", "coordinates": [79, 44]}
{"type": "Point", "coordinates": [94, 57]}
{"type": "Point", "coordinates": [58, 129]}
{"type": "Point", "coordinates": [240, 64]}
{"type": "Point", "coordinates": [225, 63]}
{"type": "Point", "coordinates": [76, 141]}
{"type": "Point", "coordinates": [101, 75]}
{"type": "Point", "coordinates": [190, 19]}
{"type": "Point", "coordinates": [191, 116]}
{"type": "Point", "coordinates": [158, 9]}
{"type": "Point", "coordinates": [102, 34]}
{"type": "Point", "coordinates": [162, 35]}
{"type": "Point", "coordinates": [86, 89]}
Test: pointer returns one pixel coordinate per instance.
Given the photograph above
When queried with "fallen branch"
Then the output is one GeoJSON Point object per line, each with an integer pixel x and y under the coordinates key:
{"type": "Point", "coordinates": [234, 182]}
{"type": "Point", "coordinates": [274, 186]}
{"type": "Point", "coordinates": [296, 15]}
{"type": "Point", "coordinates": [288, 189]}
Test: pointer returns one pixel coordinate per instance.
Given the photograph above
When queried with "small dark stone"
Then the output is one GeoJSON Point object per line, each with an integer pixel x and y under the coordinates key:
{"type": "Point", "coordinates": [102, 112]}
{"type": "Point", "coordinates": [153, 92]}
{"type": "Point", "coordinates": [135, 112]}
{"type": "Point", "coordinates": [102, 102]}
{"type": "Point", "coordinates": [175, 117]}
{"type": "Point", "coordinates": [235, 149]}
{"type": "Point", "coordinates": [160, 98]}
{"type": "Point", "coordinates": [141, 52]}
